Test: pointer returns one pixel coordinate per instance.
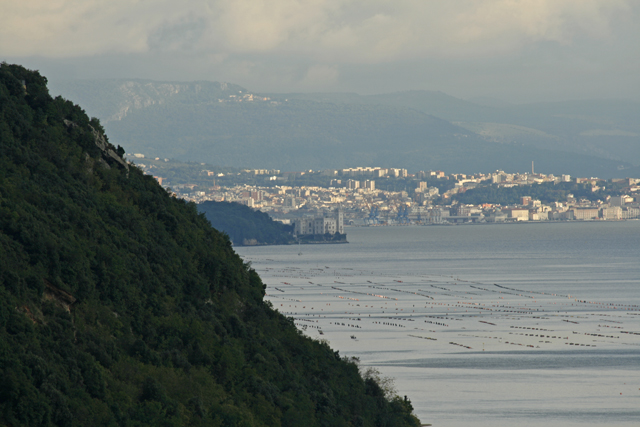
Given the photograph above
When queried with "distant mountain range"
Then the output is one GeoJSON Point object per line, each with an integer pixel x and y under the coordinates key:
{"type": "Point", "coordinates": [227, 125]}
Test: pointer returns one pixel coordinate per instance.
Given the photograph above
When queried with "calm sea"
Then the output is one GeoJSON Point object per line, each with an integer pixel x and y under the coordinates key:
{"type": "Point", "coordinates": [483, 325]}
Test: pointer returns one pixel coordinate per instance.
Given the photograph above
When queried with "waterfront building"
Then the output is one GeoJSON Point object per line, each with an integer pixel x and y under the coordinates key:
{"type": "Point", "coordinates": [518, 214]}
{"type": "Point", "coordinates": [325, 224]}
{"type": "Point", "coordinates": [612, 212]}
{"type": "Point", "coordinates": [585, 213]}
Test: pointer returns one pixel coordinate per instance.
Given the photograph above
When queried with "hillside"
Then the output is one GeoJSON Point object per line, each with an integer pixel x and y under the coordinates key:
{"type": "Point", "coordinates": [201, 122]}
{"type": "Point", "coordinates": [121, 306]}
{"type": "Point", "coordinates": [605, 128]}
{"type": "Point", "coordinates": [244, 226]}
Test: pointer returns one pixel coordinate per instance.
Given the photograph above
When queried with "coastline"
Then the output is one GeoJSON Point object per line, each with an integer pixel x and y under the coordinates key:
{"type": "Point", "coordinates": [576, 221]}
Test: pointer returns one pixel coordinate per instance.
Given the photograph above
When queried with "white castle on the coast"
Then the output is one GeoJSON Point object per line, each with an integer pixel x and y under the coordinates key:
{"type": "Point", "coordinates": [320, 224]}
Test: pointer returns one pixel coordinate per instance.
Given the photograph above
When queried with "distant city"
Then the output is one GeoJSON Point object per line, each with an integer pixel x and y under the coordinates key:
{"type": "Point", "coordinates": [364, 195]}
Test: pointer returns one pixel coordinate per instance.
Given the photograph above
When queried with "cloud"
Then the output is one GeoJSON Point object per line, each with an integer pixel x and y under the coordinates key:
{"type": "Point", "coordinates": [321, 76]}
{"type": "Point", "coordinates": [515, 49]}
{"type": "Point", "coordinates": [183, 34]}
{"type": "Point", "coordinates": [326, 31]}
{"type": "Point", "coordinates": [535, 20]}
{"type": "Point", "coordinates": [72, 27]}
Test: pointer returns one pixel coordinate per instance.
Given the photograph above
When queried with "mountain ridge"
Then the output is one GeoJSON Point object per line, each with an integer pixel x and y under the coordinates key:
{"type": "Point", "coordinates": [417, 130]}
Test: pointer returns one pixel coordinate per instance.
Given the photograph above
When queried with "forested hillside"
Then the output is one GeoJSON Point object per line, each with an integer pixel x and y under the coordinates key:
{"type": "Point", "coordinates": [121, 306]}
{"type": "Point", "coordinates": [547, 192]}
{"type": "Point", "coordinates": [244, 225]}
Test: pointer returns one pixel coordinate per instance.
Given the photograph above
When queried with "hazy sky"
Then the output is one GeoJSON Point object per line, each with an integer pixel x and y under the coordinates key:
{"type": "Point", "coordinates": [516, 50]}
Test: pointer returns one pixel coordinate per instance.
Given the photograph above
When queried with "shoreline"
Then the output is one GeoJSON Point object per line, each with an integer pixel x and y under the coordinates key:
{"type": "Point", "coordinates": [578, 221]}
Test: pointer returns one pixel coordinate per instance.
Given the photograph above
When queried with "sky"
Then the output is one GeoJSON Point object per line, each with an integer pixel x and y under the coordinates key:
{"type": "Point", "coordinates": [513, 50]}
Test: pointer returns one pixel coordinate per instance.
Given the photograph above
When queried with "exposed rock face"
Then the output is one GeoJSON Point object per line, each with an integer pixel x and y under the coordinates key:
{"type": "Point", "coordinates": [108, 153]}
{"type": "Point", "coordinates": [107, 149]}
{"type": "Point", "coordinates": [114, 100]}
{"type": "Point", "coordinates": [62, 298]}
{"type": "Point", "coordinates": [69, 123]}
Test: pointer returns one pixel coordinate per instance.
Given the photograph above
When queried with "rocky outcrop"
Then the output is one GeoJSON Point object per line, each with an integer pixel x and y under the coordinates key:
{"type": "Point", "coordinates": [58, 296]}
{"type": "Point", "coordinates": [107, 149]}
{"type": "Point", "coordinates": [109, 155]}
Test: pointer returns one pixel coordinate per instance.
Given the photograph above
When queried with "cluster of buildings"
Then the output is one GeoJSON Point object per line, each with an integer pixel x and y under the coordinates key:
{"type": "Point", "coordinates": [368, 172]}
{"type": "Point", "coordinates": [244, 97]}
{"type": "Point", "coordinates": [355, 194]}
{"type": "Point", "coordinates": [616, 208]}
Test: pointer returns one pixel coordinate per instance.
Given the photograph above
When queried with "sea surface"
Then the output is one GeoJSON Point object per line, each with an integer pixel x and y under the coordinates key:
{"type": "Point", "coordinates": [479, 325]}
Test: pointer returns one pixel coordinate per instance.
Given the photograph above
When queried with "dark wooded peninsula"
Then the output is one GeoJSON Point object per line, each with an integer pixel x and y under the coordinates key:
{"type": "Point", "coordinates": [121, 306]}
{"type": "Point", "coordinates": [246, 226]}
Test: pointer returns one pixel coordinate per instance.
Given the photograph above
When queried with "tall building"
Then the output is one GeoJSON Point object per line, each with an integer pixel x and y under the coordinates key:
{"type": "Point", "coordinates": [340, 219]}
{"type": "Point", "coordinates": [290, 202]}
{"type": "Point", "coordinates": [368, 184]}
{"type": "Point", "coordinates": [398, 173]}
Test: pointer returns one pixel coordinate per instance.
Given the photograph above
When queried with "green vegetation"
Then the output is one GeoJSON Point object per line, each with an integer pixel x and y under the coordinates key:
{"type": "Point", "coordinates": [121, 306]}
{"type": "Point", "coordinates": [175, 173]}
{"type": "Point", "coordinates": [547, 193]}
{"type": "Point", "coordinates": [246, 226]}
{"type": "Point", "coordinates": [409, 184]}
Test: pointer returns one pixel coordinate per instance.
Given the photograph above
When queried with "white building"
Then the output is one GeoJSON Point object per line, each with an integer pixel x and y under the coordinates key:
{"type": "Point", "coordinates": [320, 225]}
{"type": "Point", "coordinates": [612, 212]}
{"type": "Point", "coordinates": [368, 185]}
